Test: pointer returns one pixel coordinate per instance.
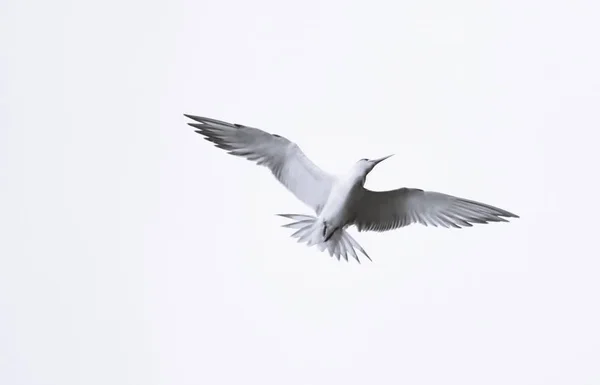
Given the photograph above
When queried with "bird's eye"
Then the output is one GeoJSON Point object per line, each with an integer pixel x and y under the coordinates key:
{"type": "Point", "coordinates": [364, 160]}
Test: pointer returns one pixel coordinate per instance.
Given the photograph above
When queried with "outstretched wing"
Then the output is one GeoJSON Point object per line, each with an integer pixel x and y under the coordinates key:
{"type": "Point", "coordinates": [388, 210]}
{"type": "Point", "coordinates": [284, 158]}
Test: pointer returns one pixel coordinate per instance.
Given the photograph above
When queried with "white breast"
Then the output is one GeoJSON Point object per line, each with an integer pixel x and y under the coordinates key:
{"type": "Point", "coordinates": [340, 203]}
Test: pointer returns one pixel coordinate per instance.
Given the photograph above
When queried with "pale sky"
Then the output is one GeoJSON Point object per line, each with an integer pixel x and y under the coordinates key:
{"type": "Point", "coordinates": [134, 252]}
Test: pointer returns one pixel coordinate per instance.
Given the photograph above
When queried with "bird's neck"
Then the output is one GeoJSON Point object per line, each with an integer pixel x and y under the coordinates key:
{"type": "Point", "coordinates": [354, 178]}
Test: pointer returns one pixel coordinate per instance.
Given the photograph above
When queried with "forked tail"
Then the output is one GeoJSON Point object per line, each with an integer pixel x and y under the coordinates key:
{"type": "Point", "coordinates": [309, 230]}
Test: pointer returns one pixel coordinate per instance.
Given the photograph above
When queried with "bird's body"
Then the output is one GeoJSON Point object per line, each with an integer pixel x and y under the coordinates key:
{"type": "Point", "coordinates": [342, 201]}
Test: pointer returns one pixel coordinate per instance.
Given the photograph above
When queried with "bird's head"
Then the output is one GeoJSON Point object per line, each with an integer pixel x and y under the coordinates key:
{"type": "Point", "coordinates": [366, 165]}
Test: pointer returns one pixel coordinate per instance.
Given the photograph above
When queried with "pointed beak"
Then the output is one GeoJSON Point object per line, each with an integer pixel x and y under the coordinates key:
{"type": "Point", "coordinates": [376, 161]}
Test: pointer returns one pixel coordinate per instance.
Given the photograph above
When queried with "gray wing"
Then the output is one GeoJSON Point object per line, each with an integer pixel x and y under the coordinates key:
{"type": "Point", "coordinates": [284, 158]}
{"type": "Point", "coordinates": [388, 210]}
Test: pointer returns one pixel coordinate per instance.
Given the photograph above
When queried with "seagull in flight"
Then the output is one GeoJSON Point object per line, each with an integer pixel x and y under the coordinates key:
{"type": "Point", "coordinates": [341, 201]}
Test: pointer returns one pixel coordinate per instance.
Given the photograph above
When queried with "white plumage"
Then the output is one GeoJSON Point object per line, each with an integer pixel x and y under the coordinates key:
{"type": "Point", "coordinates": [340, 202]}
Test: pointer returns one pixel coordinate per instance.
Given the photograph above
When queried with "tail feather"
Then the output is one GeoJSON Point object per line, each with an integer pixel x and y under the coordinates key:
{"type": "Point", "coordinates": [297, 225]}
{"type": "Point", "coordinates": [309, 231]}
{"type": "Point", "coordinates": [356, 245]}
{"type": "Point", "coordinates": [297, 217]}
{"type": "Point", "coordinates": [340, 249]}
{"type": "Point", "coordinates": [347, 248]}
{"type": "Point", "coordinates": [299, 233]}
{"type": "Point", "coordinates": [351, 249]}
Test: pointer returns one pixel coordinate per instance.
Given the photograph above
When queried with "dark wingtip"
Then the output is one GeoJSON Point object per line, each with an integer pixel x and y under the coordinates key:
{"type": "Point", "coordinates": [194, 117]}
{"type": "Point", "coordinates": [508, 215]}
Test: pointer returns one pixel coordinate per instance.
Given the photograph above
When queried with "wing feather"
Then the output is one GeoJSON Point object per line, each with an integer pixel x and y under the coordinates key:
{"type": "Point", "coordinates": [284, 158]}
{"type": "Point", "coordinates": [388, 210]}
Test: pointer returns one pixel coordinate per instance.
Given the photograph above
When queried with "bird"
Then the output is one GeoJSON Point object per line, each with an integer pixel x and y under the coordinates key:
{"type": "Point", "coordinates": [341, 201]}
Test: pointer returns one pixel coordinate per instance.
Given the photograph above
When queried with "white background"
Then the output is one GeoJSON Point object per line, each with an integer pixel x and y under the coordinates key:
{"type": "Point", "coordinates": [133, 252]}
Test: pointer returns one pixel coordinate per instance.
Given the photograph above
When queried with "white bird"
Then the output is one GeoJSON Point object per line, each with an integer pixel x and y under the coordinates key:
{"type": "Point", "coordinates": [340, 202]}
